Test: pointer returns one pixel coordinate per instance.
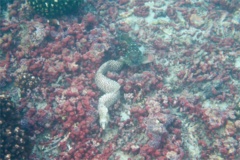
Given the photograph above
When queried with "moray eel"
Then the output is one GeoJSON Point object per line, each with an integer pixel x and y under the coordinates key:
{"type": "Point", "coordinates": [110, 88]}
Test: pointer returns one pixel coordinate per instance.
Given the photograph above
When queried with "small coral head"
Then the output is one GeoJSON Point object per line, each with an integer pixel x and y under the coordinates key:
{"type": "Point", "coordinates": [53, 8]}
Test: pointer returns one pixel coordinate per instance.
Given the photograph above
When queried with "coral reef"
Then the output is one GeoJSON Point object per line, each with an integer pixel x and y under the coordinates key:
{"type": "Point", "coordinates": [26, 82]}
{"type": "Point", "coordinates": [15, 141]}
{"type": "Point", "coordinates": [183, 105]}
{"type": "Point", "coordinates": [53, 8]}
{"type": "Point", "coordinates": [229, 5]}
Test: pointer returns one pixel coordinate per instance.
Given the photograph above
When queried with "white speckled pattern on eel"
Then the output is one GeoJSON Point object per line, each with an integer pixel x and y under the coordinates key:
{"type": "Point", "coordinates": [109, 87]}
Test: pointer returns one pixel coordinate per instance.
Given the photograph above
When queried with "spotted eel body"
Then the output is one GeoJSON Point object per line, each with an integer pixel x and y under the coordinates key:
{"type": "Point", "coordinates": [110, 88]}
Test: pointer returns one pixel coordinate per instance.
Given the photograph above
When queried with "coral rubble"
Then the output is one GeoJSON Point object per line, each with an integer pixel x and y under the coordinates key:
{"type": "Point", "coordinates": [183, 105]}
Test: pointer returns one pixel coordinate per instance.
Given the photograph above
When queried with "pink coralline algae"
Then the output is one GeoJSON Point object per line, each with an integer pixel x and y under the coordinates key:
{"type": "Point", "coordinates": [121, 2]}
{"type": "Point", "coordinates": [162, 129]}
{"type": "Point", "coordinates": [187, 97]}
{"type": "Point", "coordinates": [142, 11]}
